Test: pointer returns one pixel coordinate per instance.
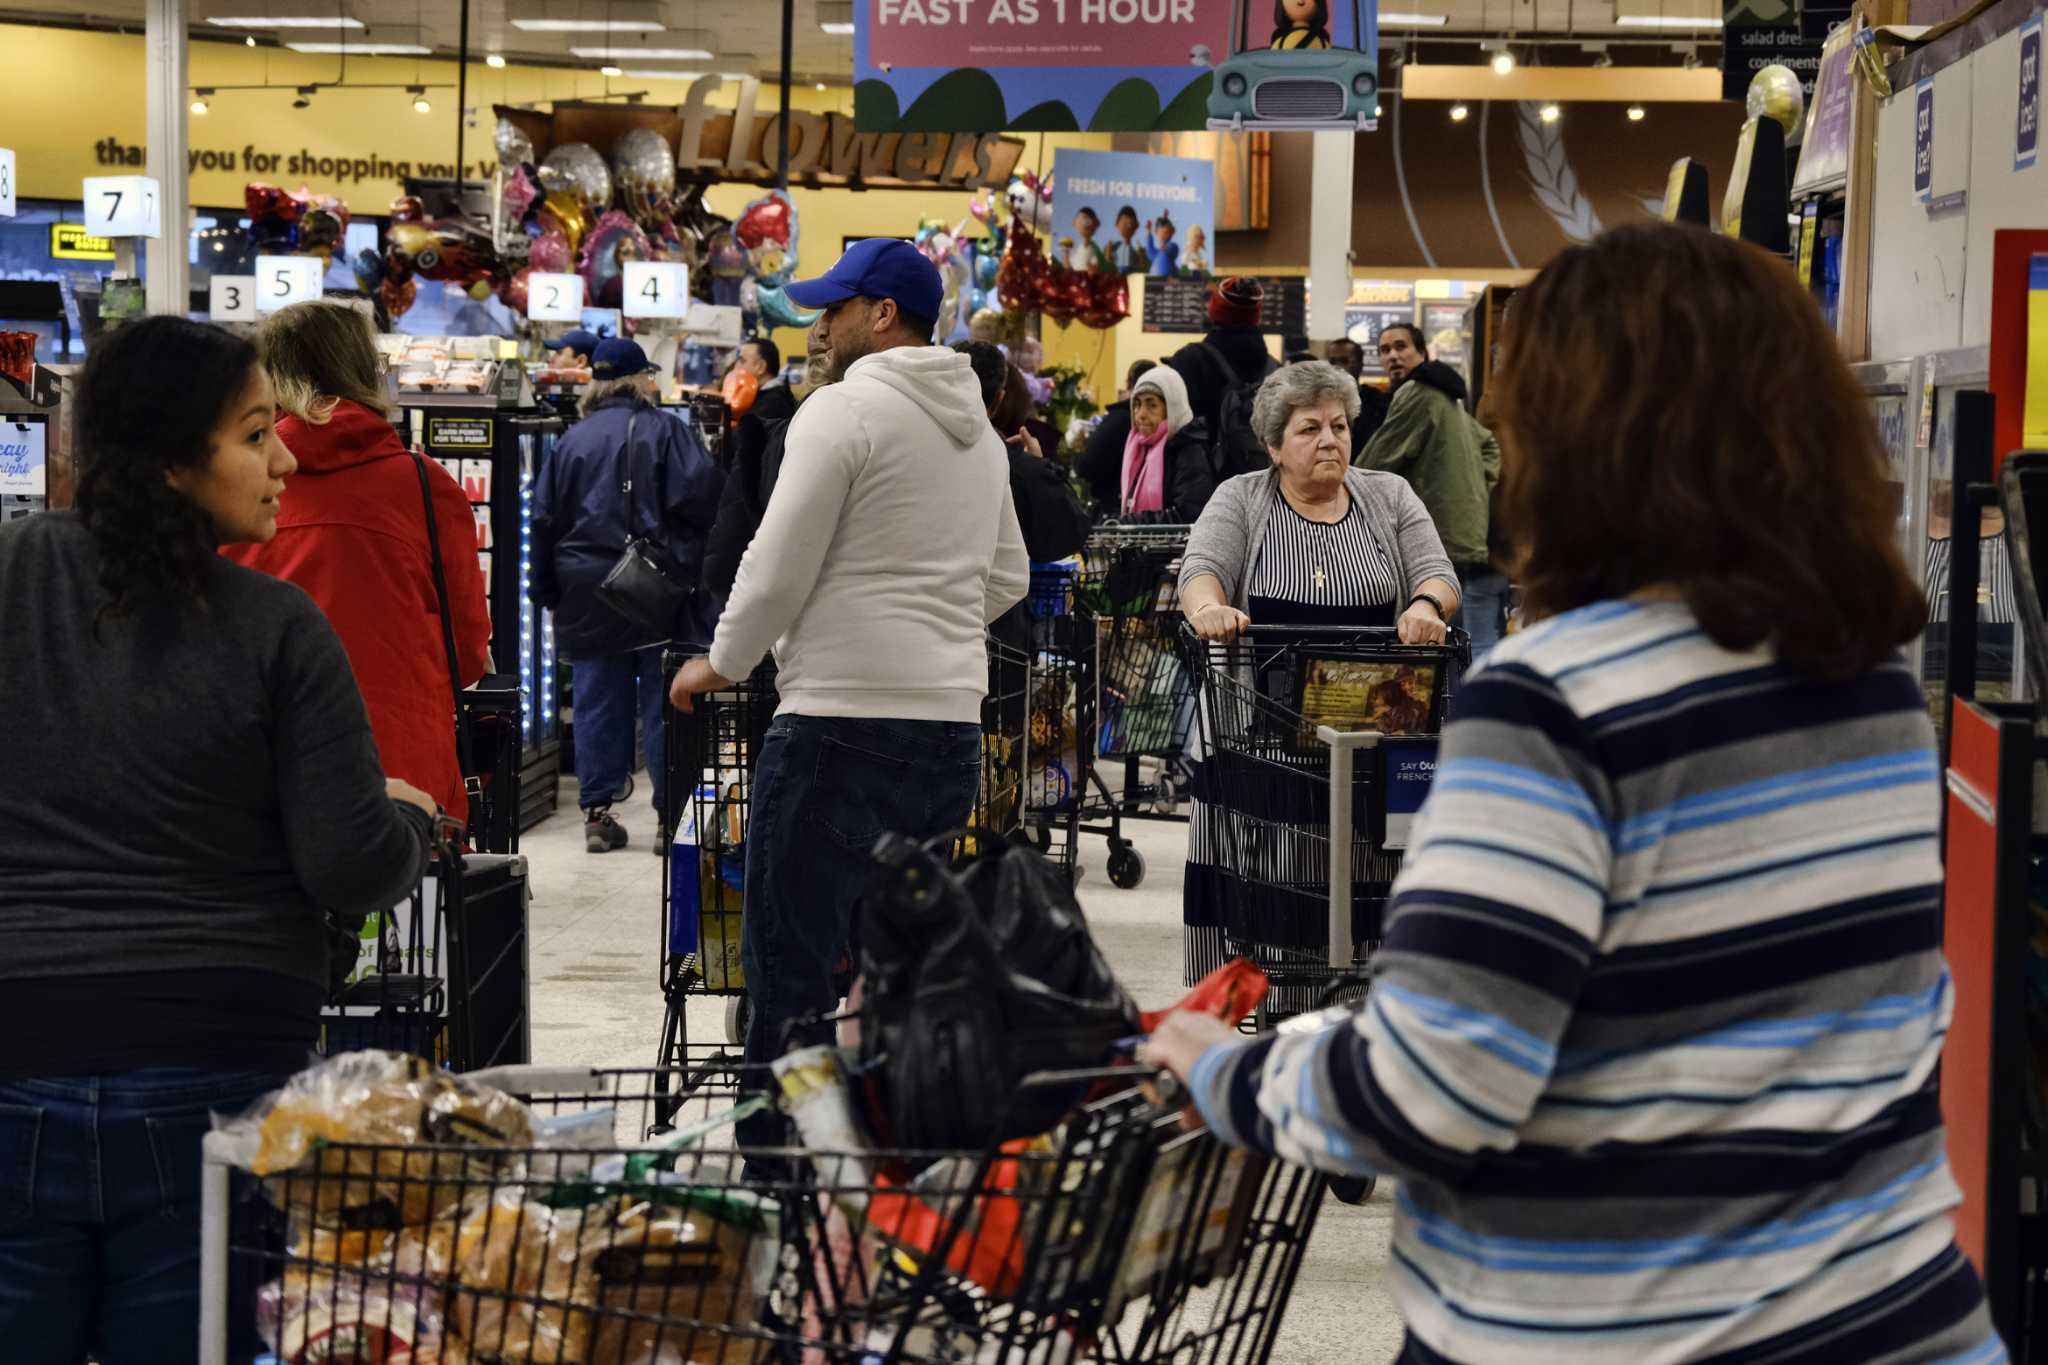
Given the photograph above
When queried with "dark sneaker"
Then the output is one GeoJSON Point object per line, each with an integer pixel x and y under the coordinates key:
{"type": "Point", "coordinates": [602, 833]}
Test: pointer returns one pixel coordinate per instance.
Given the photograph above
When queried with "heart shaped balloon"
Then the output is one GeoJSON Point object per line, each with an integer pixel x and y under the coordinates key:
{"type": "Point", "coordinates": [550, 254]}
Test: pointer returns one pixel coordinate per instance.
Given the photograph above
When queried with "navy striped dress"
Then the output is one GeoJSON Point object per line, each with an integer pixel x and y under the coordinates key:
{"type": "Point", "coordinates": [1652, 1039]}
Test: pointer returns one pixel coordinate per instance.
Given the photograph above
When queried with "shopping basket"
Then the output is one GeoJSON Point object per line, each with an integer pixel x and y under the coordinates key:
{"type": "Point", "coordinates": [1118, 1237]}
{"type": "Point", "coordinates": [1308, 733]}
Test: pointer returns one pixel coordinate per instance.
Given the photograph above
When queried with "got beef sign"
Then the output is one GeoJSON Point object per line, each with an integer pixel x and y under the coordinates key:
{"type": "Point", "coordinates": [1115, 65]}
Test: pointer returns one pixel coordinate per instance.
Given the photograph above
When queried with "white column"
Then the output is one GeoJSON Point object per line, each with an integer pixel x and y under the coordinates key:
{"type": "Point", "coordinates": [1329, 234]}
{"type": "Point", "coordinates": [170, 274]}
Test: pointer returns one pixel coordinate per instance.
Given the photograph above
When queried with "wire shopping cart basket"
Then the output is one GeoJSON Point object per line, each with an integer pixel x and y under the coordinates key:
{"type": "Point", "coordinates": [560, 1229]}
{"type": "Point", "coordinates": [1318, 746]}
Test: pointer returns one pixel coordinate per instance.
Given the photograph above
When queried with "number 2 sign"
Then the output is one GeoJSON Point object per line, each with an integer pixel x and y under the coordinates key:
{"type": "Point", "coordinates": [282, 281]}
{"type": "Point", "coordinates": [554, 298]}
{"type": "Point", "coordinates": [656, 289]}
{"type": "Point", "coordinates": [123, 206]}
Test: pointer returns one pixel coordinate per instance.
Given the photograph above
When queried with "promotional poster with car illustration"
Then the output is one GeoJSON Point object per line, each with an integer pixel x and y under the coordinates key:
{"type": "Point", "coordinates": [1134, 214]}
{"type": "Point", "coordinates": [1115, 65]}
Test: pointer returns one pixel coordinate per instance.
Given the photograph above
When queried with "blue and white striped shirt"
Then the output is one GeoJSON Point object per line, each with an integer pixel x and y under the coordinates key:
{"type": "Point", "coordinates": [1652, 1039]}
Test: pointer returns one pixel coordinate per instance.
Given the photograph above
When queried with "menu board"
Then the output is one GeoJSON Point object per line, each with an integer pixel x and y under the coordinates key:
{"type": "Point", "coordinates": [1177, 305]}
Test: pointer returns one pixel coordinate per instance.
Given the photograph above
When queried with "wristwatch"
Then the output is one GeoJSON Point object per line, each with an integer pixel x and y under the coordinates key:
{"type": "Point", "coordinates": [1430, 598]}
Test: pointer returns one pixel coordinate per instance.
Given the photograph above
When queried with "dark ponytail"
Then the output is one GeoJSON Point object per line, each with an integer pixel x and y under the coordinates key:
{"type": "Point", "coordinates": [148, 402]}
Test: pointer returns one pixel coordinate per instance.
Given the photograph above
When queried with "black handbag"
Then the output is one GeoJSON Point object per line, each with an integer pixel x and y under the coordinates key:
{"type": "Point", "coordinates": [645, 587]}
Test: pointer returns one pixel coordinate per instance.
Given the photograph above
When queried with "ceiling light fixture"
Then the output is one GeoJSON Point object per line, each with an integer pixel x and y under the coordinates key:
{"type": "Point", "coordinates": [821, 87]}
{"type": "Point", "coordinates": [494, 60]}
{"type": "Point", "coordinates": [365, 49]}
{"type": "Point", "coordinates": [651, 74]}
{"type": "Point", "coordinates": [1636, 113]}
{"type": "Point", "coordinates": [589, 25]}
{"type": "Point", "coordinates": [700, 51]}
{"type": "Point", "coordinates": [1550, 113]}
{"type": "Point", "coordinates": [1459, 112]}
{"type": "Point", "coordinates": [836, 17]}
{"type": "Point", "coordinates": [1503, 62]}
{"type": "Point", "coordinates": [1399, 19]}
{"type": "Point", "coordinates": [305, 98]}
{"type": "Point", "coordinates": [199, 105]}
{"type": "Point", "coordinates": [1692, 59]}
{"type": "Point", "coordinates": [610, 71]}
{"type": "Point", "coordinates": [842, 30]}
{"type": "Point", "coordinates": [250, 40]}
{"type": "Point", "coordinates": [289, 21]}
{"type": "Point", "coordinates": [419, 99]}
{"type": "Point", "coordinates": [1663, 21]}
{"type": "Point", "coordinates": [1376, 111]}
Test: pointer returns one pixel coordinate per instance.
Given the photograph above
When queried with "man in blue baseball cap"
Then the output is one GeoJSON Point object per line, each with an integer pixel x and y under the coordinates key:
{"type": "Point", "coordinates": [573, 348]}
{"type": "Point", "coordinates": [889, 544]}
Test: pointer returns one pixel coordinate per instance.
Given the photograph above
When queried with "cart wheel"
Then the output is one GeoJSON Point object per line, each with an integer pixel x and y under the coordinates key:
{"type": "Point", "coordinates": [1126, 867]}
{"type": "Point", "coordinates": [1353, 1189]}
{"type": "Point", "coordinates": [1041, 836]}
{"type": "Point", "coordinates": [739, 1012]}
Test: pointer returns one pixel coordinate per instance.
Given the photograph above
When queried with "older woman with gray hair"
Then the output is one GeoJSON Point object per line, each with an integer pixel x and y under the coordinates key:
{"type": "Point", "coordinates": [1313, 541]}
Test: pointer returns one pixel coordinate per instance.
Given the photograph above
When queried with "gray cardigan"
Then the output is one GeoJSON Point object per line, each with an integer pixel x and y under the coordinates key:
{"type": "Point", "coordinates": [1228, 538]}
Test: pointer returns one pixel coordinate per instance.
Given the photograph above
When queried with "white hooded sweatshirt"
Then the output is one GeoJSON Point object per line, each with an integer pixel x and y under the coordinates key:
{"type": "Point", "coordinates": [889, 544]}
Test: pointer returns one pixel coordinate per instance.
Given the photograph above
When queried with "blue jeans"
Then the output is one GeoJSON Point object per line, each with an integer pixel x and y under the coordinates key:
{"type": "Point", "coordinates": [1485, 610]}
{"type": "Point", "coordinates": [826, 789]}
{"type": "Point", "coordinates": [99, 1216]}
{"type": "Point", "coordinates": [608, 691]}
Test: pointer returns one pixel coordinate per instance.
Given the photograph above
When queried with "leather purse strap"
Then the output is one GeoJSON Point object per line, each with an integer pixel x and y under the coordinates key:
{"type": "Point", "coordinates": [447, 623]}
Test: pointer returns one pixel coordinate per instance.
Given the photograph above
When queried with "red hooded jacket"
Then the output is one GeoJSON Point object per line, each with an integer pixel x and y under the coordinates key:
{"type": "Point", "coordinates": [352, 532]}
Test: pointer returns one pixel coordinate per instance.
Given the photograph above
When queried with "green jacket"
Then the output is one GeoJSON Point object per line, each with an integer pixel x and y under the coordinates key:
{"type": "Point", "coordinates": [1451, 461]}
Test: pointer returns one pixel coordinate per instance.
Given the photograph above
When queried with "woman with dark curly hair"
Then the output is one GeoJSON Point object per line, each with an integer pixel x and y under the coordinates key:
{"type": "Point", "coordinates": [189, 794]}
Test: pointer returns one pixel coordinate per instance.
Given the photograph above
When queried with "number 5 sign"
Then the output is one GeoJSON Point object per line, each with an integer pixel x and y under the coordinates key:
{"type": "Point", "coordinates": [282, 281]}
{"type": "Point", "coordinates": [656, 289]}
{"type": "Point", "coordinates": [123, 206]}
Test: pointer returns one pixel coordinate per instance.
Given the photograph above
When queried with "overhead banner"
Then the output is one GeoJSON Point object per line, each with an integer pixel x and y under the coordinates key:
{"type": "Point", "coordinates": [1114, 65]}
{"type": "Point", "coordinates": [1134, 214]}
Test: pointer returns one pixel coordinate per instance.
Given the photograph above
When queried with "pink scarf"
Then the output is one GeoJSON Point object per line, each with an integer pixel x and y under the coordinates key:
{"type": "Point", "coordinates": [1145, 471]}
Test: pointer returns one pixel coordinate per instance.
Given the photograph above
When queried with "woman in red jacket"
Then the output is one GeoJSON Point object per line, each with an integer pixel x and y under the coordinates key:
{"type": "Point", "coordinates": [353, 533]}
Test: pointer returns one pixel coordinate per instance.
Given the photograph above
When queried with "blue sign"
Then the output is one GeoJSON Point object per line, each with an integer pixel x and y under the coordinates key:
{"type": "Point", "coordinates": [1134, 214]}
{"type": "Point", "coordinates": [2027, 135]}
{"type": "Point", "coordinates": [1923, 139]}
{"type": "Point", "coordinates": [1410, 768]}
{"type": "Point", "coordinates": [24, 456]}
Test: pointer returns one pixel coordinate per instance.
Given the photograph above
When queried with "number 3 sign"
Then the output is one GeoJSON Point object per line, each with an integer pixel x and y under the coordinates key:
{"type": "Point", "coordinates": [554, 298]}
{"type": "Point", "coordinates": [232, 298]}
{"type": "Point", "coordinates": [656, 289]}
{"type": "Point", "coordinates": [123, 206]}
{"type": "Point", "coordinates": [282, 281]}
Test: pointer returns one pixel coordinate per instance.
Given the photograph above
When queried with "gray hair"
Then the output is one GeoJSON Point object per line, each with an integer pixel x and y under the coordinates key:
{"type": "Point", "coordinates": [602, 389]}
{"type": "Point", "coordinates": [1292, 387]}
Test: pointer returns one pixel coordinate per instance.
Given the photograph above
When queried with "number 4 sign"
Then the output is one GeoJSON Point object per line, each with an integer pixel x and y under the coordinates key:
{"type": "Point", "coordinates": [554, 298]}
{"type": "Point", "coordinates": [123, 206]}
{"type": "Point", "coordinates": [282, 281]}
{"type": "Point", "coordinates": [656, 289]}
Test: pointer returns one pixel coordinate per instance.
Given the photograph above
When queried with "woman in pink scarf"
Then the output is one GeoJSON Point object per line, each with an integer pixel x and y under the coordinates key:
{"type": "Point", "coordinates": [1166, 475]}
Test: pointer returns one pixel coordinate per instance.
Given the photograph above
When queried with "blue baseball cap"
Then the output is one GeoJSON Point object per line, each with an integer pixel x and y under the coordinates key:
{"type": "Point", "coordinates": [617, 358]}
{"type": "Point", "coordinates": [877, 268]}
{"type": "Point", "coordinates": [579, 341]}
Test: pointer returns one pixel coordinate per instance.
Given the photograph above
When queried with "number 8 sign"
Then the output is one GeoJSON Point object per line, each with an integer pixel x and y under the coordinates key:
{"type": "Point", "coordinates": [282, 281]}
{"type": "Point", "coordinates": [656, 289]}
{"type": "Point", "coordinates": [554, 298]}
{"type": "Point", "coordinates": [6, 182]}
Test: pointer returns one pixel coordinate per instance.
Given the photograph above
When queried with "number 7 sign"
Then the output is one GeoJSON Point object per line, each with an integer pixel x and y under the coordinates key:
{"type": "Point", "coordinates": [123, 206]}
{"type": "Point", "coordinates": [656, 289]}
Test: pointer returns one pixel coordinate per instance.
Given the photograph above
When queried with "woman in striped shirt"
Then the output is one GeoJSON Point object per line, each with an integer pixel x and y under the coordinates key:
{"type": "Point", "coordinates": [1652, 1040]}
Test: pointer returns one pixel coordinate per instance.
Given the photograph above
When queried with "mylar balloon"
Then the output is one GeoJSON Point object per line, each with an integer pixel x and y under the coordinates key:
{"type": "Point", "coordinates": [550, 254]}
{"type": "Point", "coordinates": [515, 148]}
{"type": "Point", "coordinates": [644, 169]}
{"type": "Point", "coordinates": [740, 389]}
{"type": "Point", "coordinates": [778, 311]}
{"type": "Point", "coordinates": [615, 240]}
{"type": "Point", "coordinates": [577, 168]}
{"type": "Point", "coordinates": [563, 212]}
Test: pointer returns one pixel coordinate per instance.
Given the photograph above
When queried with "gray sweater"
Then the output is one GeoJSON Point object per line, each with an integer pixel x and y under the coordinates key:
{"type": "Point", "coordinates": [1231, 534]}
{"type": "Point", "coordinates": [191, 788]}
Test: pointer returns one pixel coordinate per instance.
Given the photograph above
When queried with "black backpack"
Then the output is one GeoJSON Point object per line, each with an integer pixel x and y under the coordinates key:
{"type": "Point", "coordinates": [1236, 448]}
{"type": "Point", "coordinates": [974, 976]}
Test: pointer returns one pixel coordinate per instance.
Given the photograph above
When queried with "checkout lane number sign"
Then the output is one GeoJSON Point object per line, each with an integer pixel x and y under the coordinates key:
{"type": "Point", "coordinates": [282, 281]}
{"type": "Point", "coordinates": [123, 206]}
{"type": "Point", "coordinates": [6, 182]}
{"type": "Point", "coordinates": [554, 298]}
{"type": "Point", "coordinates": [656, 289]}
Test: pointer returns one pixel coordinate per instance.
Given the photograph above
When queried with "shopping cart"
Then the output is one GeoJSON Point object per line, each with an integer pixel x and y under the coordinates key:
{"type": "Point", "coordinates": [1144, 696]}
{"type": "Point", "coordinates": [1308, 735]}
{"type": "Point", "coordinates": [712, 754]}
{"type": "Point", "coordinates": [1118, 1237]}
